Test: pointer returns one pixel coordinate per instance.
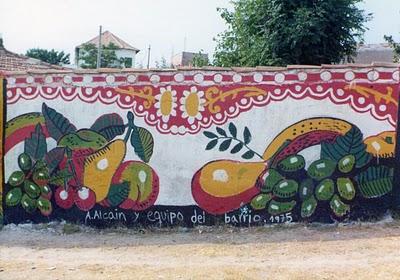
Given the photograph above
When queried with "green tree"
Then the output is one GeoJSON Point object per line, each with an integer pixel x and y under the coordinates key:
{"type": "Point", "coordinates": [109, 59]}
{"type": "Point", "coordinates": [50, 56]}
{"type": "Point", "coordinates": [200, 59]}
{"type": "Point", "coordinates": [395, 46]}
{"type": "Point", "coordinates": [162, 64]}
{"type": "Point", "coordinates": [283, 32]}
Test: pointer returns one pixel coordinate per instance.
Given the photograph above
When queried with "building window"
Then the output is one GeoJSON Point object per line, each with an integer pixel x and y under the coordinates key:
{"type": "Point", "coordinates": [128, 62]}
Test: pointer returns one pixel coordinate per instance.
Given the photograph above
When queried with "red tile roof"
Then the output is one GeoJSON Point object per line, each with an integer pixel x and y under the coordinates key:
{"type": "Point", "coordinates": [10, 61]}
{"type": "Point", "coordinates": [106, 38]}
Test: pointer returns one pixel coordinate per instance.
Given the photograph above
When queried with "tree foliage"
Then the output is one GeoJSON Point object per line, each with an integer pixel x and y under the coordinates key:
{"type": "Point", "coordinates": [109, 59]}
{"type": "Point", "coordinates": [162, 63]}
{"type": "Point", "coordinates": [50, 56]}
{"type": "Point", "coordinates": [395, 46]}
{"type": "Point", "coordinates": [200, 59]}
{"type": "Point", "coordinates": [283, 32]}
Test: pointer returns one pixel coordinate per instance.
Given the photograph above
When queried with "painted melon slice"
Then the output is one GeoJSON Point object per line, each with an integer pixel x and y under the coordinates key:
{"type": "Point", "coordinates": [21, 127]}
{"type": "Point", "coordinates": [328, 127]}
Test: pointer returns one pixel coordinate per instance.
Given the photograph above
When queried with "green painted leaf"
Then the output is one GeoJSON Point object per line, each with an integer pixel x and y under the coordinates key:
{"type": "Point", "coordinates": [143, 143]}
{"type": "Point", "coordinates": [36, 145]}
{"type": "Point", "coordinates": [221, 131]}
{"type": "Point", "coordinates": [232, 129]}
{"type": "Point", "coordinates": [54, 157]}
{"type": "Point", "coordinates": [350, 143]}
{"type": "Point", "coordinates": [225, 145]}
{"type": "Point", "coordinates": [246, 135]}
{"type": "Point", "coordinates": [109, 125]}
{"type": "Point", "coordinates": [212, 144]}
{"type": "Point", "coordinates": [248, 155]}
{"type": "Point", "coordinates": [210, 135]}
{"type": "Point", "coordinates": [118, 193]}
{"type": "Point", "coordinates": [61, 177]}
{"type": "Point", "coordinates": [237, 148]}
{"type": "Point", "coordinates": [57, 125]}
{"type": "Point", "coordinates": [40, 163]}
{"type": "Point", "coordinates": [376, 181]}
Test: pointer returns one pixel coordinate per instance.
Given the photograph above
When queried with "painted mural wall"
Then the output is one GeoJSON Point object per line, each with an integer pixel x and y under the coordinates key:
{"type": "Point", "coordinates": [200, 147]}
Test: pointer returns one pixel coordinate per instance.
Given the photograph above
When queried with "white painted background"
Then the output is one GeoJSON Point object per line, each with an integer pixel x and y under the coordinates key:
{"type": "Point", "coordinates": [177, 158]}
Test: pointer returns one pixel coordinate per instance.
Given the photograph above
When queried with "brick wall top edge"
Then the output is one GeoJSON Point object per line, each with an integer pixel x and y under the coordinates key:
{"type": "Point", "coordinates": [204, 69]}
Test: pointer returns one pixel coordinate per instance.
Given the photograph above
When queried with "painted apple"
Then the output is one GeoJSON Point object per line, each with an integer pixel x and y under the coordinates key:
{"type": "Point", "coordinates": [143, 183]}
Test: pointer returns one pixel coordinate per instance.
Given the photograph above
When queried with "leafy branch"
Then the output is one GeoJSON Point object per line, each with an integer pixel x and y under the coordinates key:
{"type": "Point", "coordinates": [142, 140]}
{"type": "Point", "coordinates": [226, 140]}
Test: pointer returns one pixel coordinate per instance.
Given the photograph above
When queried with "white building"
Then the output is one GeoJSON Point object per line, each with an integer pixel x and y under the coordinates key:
{"type": "Point", "coordinates": [124, 51]}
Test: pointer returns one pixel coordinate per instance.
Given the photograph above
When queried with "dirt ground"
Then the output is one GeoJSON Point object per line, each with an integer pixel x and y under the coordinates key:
{"type": "Point", "coordinates": [63, 251]}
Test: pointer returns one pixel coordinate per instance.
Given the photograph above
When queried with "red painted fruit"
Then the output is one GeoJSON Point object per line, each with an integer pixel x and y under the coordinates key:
{"type": "Point", "coordinates": [85, 199]}
{"type": "Point", "coordinates": [63, 198]}
{"type": "Point", "coordinates": [143, 183]}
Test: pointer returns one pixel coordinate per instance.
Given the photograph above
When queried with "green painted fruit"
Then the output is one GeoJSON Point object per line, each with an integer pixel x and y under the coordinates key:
{"type": "Point", "coordinates": [321, 169]}
{"type": "Point", "coordinates": [338, 207]}
{"type": "Point", "coordinates": [292, 163]}
{"type": "Point", "coordinates": [325, 190]}
{"type": "Point", "coordinates": [41, 176]}
{"type": "Point", "coordinates": [346, 188]}
{"type": "Point", "coordinates": [24, 162]}
{"type": "Point", "coordinates": [308, 207]}
{"type": "Point", "coordinates": [346, 163]}
{"type": "Point", "coordinates": [32, 189]}
{"type": "Point", "coordinates": [28, 203]}
{"type": "Point", "coordinates": [40, 164]}
{"type": "Point", "coordinates": [44, 206]}
{"type": "Point", "coordinates": [260, 201]}
{"type": "Point", "coordinates": [84, 138]}
{"type": "Point", "coordinates": [276, 208]}
{"type": "Point", "coordinates": [45, 192]}
{"type": "Point", "coordinates": [286, 188]}
{"type": "Point", "coordinates": [306, 189]}
{"type": "Point", "coordinates": [13, 197]}
{"type": "Point", "coordinates": [270, 179]}
{"type": "Point", "coordinates": [16, 178]}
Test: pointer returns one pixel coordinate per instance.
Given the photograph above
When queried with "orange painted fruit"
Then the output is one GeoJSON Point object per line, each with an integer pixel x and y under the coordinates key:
{"type": "Point", "coordinates": [225, 185]}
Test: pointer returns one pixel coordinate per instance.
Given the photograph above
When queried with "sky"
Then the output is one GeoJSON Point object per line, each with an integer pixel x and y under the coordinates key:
{"type": "Point", "coordinates": [163, 24]}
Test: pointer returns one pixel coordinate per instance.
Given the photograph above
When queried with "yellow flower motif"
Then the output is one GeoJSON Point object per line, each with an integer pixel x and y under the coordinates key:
{"type": "Point", "coordinates": [192, 104]}
{"type": "Point", "coordinates": [166, 103]}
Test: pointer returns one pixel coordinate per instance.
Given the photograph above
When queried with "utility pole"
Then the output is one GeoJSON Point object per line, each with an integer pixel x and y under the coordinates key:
{"type": "Point", "coordinates": [148, 57]}
{"type": "Point", "coordinates": [172, 58]}
{"type": "Point", "coordinates": [99, 50]}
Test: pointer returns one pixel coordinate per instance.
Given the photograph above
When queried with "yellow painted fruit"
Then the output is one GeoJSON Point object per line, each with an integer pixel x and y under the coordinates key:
{"type": "Point", "coordinates": [225, 185]}
{"type": "Point", "coordinates": [381, 145]}
{"type": "Point", "coordinates": [100, 167]}
{"type": "Point", "coordinates": [227, 178]}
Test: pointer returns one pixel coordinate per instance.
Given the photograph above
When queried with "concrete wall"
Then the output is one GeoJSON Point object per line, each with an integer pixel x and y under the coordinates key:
{"type": "Point", "coordinates": [201, 147]}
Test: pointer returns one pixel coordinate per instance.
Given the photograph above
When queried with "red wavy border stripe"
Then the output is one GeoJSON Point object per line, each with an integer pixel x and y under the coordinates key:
{"type": "Point", "coordinates": [379, 100]}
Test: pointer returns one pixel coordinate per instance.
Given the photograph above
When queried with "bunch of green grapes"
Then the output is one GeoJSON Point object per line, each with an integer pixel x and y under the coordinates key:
{"type": "Point", "coordinates": [288, 184]}
{"type": "Point", "coordinates": [28, 187]}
